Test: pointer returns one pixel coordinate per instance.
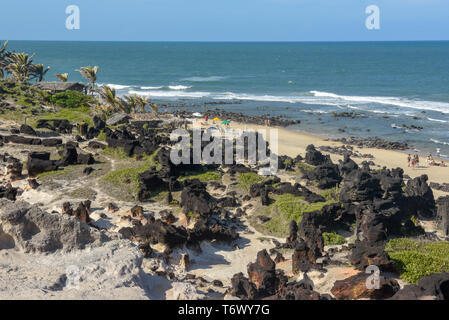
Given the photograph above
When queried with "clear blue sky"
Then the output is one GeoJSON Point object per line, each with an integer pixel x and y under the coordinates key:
{"type": "Point", "coordinates": [225, 20]}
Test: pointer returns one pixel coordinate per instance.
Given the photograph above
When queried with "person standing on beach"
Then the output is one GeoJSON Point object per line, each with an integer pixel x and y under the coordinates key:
{"type": "Point", "coordinates": [408, 159]}
{"type": "Point", "coordinates": [417, 161]}
{"type": "Point", "coordinates": [205, 117]}
{"type": "Point", "coordinates": [413, 162]}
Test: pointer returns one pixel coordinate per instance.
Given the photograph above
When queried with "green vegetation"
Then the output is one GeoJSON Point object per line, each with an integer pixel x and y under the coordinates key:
{"type": "Point", "coordinates": [71, 99]}
{"type": "Point", "coordinates": [332, 238]}
{"type": "Point", "coordinates": [203, 177]}
{"type": "Point", "coordinates": [127, 179]}
{"type": "Point", "coordinates": [288, 207]}
{"type": "Point", "coordinates": [246, 180]}
{"type": "Point", "coordinates": [304, 166]}
{"type": "Point", "coordinates": [117, 153]}
{"type": "Point", "coordinates": [74, 115]}
{"type": "Point", "coordinates": [332, 194]}
{"type": "Point", "coordinates": [102, 136]}
{"type": "Point", "coordinates": [417, 259]}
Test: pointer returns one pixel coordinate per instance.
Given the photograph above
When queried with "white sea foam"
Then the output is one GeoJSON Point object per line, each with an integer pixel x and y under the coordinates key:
{"type": "Point", "coordinates": [151, 88]}
{"type": "Point", "coordinates": [204, 79]}
{"type": "Point", "coordinates": [179, 87]}
{"type": "Point", "coordinates": [171, 94]}
{"type": "Point", "coordinates": [118, 86]}
{"type": "Point", "coordinates": [437, 120]}
{"type": "Point", "coordinates": [395, 101]}
{"type": "Point", "coordinates": [438, 141]}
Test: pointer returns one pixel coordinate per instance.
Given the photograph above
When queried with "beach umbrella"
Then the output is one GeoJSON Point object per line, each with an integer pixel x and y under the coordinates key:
{"type": "Point", "coordinates": [217, 119]}
{"type": "Point", "coordinates": [196, 114]}
{"type": "Point", "coordinates": [212, 128]}
{"type": "Point", "coordinates": [226, 122]}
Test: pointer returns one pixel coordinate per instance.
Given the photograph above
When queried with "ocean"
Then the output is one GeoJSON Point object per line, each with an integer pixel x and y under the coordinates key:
{"type": "Point", "coordinates": [390, 88]}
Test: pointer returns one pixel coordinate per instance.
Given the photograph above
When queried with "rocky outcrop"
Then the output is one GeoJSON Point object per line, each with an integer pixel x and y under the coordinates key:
{"type": "Point", "coordinates": [39, 162]}
{"type": "Point", "coordinates": [265, 282]}
{"type": "Point", "coordinates": [443, 215]}
{"type": "Point", "coordinates": [315, 157]}
{"type": "Point", "coordinates": [420, 197]}
{"type": "Point", "coordinates": [58, 125]}
{"type": "Point", "coordinates": [432, 287]}
{"type": "Point", "coordinates": [356, 287]}
{"type": "Point", "coordinates": [195, 198]}
{"type": "Point", "coordinates": [32, 230]}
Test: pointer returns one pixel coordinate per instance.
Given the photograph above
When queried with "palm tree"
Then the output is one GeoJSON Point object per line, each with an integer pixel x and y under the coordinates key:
{"type": "Point", "coordinates": [3, 55]}
{"type": "Point", "coordinates": [90, 74]}
{"type": "Point", "coordinates": [63, 77]}
{"type": "Point", "coordinates": [139, 103]}
{"type": "Point", "coordinates": [20, 65]}
{"type": "Point", "coordinates": [109, 97]}
{"type": "Point", "coordinates": [39, 71]}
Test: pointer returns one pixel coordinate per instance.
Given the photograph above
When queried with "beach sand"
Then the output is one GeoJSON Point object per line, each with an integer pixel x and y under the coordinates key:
{"type": "Point", "coordinates": [292, 143]}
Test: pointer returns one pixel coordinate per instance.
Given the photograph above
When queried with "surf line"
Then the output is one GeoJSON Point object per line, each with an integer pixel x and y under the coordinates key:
{"type": "Point", "coordinates": [189, 310]}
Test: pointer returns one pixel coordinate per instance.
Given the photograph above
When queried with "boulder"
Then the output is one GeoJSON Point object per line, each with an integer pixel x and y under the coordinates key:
{"type": "Point", "coordinates": [39, 162]}
{"type": "Point", "coordinates": [195, 198]}
{"type": "Point", "coordinates": [443, 215]}
{"type": "Point", "coordinates": [420, 197]}
{"type": "Point", "coordinates": [315, 157]}
{"type": "Point", "coordinates": [26, 129]}
{"type": "Point", "coordinates": [432, 287]}
{"type": "Point", "coordinates": [355, 287]}
{"type": "Point", "coordinates": [32, 230]}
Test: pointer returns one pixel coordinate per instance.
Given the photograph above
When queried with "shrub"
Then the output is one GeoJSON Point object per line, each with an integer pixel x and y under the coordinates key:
{"type": "Point", "coordinates": [332, 194]}
{"type": "Point", "coordinates": [71, 99]}
{"type": "Point", "coordinates": [246, 180]}
{"type": "Point", "coordinates": [415, 260]}
{"type": "Point", "coordinates": [288, 207]}
{"type": "Point", "coordinates": [203, 177]}
{"type": "Point", "coordinates": [332, 238]}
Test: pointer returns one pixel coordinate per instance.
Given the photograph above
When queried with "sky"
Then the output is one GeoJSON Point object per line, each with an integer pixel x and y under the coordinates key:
{"type": "Point", "coordinates": [225, 20]}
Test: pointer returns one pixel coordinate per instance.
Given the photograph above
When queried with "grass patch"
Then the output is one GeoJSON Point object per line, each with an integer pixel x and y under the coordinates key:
{"type": "Point", "coordinates": [417, 259]}
{"type": "Point", "coordinates": [246, 180]}
{"type": "Point", "coordinates": [127, 179]}
{"type": "Point", "coordinates": [74, 115]}
{"type": "Point", "coordinates": [288, 207]}
{"type": "Point", "coordinates": [71, 99]}
{"type": "Point", "coordinates": [304, 166]}
{"type": "Point", "coordinates": [332, 194]}
{"type": "Point", "coordinates": [102, 136]}
{"type": "Point", "coordinates": [117, 153]}
{"type": "Point", "coordinates": [203, 177]}
{"type": "Point", "coordinates": [332, 238]}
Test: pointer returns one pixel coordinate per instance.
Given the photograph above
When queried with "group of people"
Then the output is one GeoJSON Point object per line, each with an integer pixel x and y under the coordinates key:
{"type": "Point", "coordinates": [413, 161]}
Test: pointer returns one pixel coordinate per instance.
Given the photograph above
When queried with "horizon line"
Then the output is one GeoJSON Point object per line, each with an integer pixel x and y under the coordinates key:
{"type": "Point", "coordinates": [228, 41]}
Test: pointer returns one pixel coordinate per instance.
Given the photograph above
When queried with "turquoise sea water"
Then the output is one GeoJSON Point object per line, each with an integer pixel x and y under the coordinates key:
{"type": "Point", "coordinates": [389, 84]}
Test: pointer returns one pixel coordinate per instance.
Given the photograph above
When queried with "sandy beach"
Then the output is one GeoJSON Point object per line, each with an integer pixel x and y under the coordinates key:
{"type": "Point", "coordinates": [292, 143]}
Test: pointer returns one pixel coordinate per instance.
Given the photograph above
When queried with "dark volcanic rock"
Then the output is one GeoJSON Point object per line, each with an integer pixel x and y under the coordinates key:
{"type": "Point", "coordinates": [26, 129]}
{"type": "Point", "coordinates": [420, 197]}
{"type": "Point", "coordinates": [242, 287]}
{"type": "Point", "coordinates": [355, 287]}
{"type": "Point", "coordinates": [315, 157]}
{"type": "Point", "coordinates": [443, 214]}
{"type": "Point", "coordinates": [262, 273]}
{"type": "Point", "coordinates": [432, 287]}
{"type": "Point", "coordinates": [38, 162]}
{"type": "Point", "coordinates": [195, 198]}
